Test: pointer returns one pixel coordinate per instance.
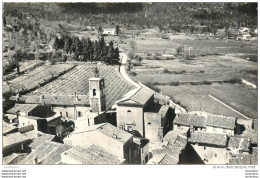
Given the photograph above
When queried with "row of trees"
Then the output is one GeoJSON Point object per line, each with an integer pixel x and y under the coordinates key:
{"type": "Point", "coordinates": [86, 50]}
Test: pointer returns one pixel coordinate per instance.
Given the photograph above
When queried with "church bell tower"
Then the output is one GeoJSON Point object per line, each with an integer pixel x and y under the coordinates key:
{"type": "Point", "coordinates": [96, 92]}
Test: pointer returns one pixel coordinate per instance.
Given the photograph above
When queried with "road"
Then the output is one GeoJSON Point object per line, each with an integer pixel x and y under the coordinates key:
{"type": "Point", "coordinates": [123, 57]}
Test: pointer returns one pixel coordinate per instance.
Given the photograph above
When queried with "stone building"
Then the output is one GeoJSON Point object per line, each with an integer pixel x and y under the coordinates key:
{"type": "Point", "coordinates": [112, 139]}
{"type": "Point", "coordinates": [208, 123]}
{"type": "Point", "coordinates": [143, 113]}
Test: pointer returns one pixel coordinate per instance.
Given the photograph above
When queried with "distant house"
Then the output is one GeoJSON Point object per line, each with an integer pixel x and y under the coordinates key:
{"type": "Point", "coordinates": [247, 37]}
{"type": "Point", "coordinates": [109, 31]}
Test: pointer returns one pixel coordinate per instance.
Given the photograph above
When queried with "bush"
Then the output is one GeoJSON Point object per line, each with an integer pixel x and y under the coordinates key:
{"type": "Point", "coordinates": [150, 85]}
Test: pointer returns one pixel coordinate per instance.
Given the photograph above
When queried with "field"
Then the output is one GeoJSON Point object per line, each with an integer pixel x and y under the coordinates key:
{"type": "Point", "coordinates": [196, 98]}
{"type": "Point", "coordinates": [211, 69]}
{"type": "Point", "coordinates": [76, 81]}
{"type": "Point", "coordinates": [189, 82]}
{"type": "Point", "coordinates": [35, 78]}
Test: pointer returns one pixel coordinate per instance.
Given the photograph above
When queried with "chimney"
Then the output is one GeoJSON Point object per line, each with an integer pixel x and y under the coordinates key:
{"type": "Point", "coordinates": [36, 160]}
{"type": "Point", "coordinates": [76, 97]}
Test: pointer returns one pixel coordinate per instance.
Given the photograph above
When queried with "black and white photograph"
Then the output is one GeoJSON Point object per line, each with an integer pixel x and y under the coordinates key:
{"type": "Point", "coordinates": [129, 83]}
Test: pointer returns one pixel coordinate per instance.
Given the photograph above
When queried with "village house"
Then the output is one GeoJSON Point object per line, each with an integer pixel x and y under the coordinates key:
{"type": "Point", "coordinates": [109, 31]}
{"type": "Point", "coordinates": [112, 139]}
{"type": "Point", "coordinates": [211, 147]}
{"type": "Point", "coordinates": [209, 123]}
{"type": "Point", "coordinates": [172, 148]}
{"type": "Point", "coordinates": [37, 117]}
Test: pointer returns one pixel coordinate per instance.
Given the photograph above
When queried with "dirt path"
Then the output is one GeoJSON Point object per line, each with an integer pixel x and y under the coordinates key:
{"type": "Point", "coordinates": [123, 57]}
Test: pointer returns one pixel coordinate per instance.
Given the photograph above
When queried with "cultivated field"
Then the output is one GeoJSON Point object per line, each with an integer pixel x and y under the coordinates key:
{"type": "Point", "coordinates": [76, 81]}
{"type": "Point", "coordinates": [196, 98]}
{"type": "Point", "coordinates": [190, 82]}
{"type": "Point", "coordinates": [35, 78]}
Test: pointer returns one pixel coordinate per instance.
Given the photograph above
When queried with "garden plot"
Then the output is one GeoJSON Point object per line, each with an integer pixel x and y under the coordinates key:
{"type": "Point", "coordinates": [35, 78]}
{"type": "Point", "coordinates": [76, 81]}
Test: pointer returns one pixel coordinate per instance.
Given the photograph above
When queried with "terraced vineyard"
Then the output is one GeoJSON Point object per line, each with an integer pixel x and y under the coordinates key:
{"type": "Point", "coordinates": [35, 78]}
{"type": "Point", "coordinates": [76, 81]}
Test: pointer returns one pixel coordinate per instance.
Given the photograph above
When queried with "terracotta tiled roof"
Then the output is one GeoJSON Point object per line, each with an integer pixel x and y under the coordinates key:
{"type": "Point", "coordinates": [41, 152]}
{"type": "Point", "coordinates": [92, 155]}
{"type": "Point", "coordinates": [8, 127]}
{"type": "Point", "coordinates": [203, 121]}
{"type": "Point", "coordinates": [58, 99]}
{"type": "Point", "coordinates": [14, 138]}
{"type": "Point", "coordinates": [190, 119]}
{"type": "Point", "coordinates": [40, 139]}
{"type": "Point", "coordinates": [55, 156]}
{"type": "Point", "coordinates": [168, 160]}
{"type": "Point", "coordinates": [208, 138]}
{"type": "Point", "coordinates": [241, 143]}
{"type": "Point", "coordinates": [22, 108]}
{"type": "Point", "coordinates": [114, 132]}
{"type": "Point", "coordinates": [221, 121]}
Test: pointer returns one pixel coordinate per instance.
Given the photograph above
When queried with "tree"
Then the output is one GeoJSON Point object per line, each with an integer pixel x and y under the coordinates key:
{"type": "Point", "coordinates": [100, 30]}
{"type": "Point", "coordinates": [117, 30]}
{"type": "Point", "coordinates": [178, 50]}
{"type": "Point", "coordinates": [67, 44]}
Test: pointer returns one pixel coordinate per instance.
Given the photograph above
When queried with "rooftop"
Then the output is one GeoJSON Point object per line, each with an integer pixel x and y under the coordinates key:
{"type": "Point", "coordinates": [190, 119]}
{"type": "Point", "coordinates": [58, 99]}
{"type": "Point", "coordinates": [138, 97]}
{"type": "Point", "coordinates": [109, 130]}
{"type": "Point", "coordinates": [14, 138]}
{"type": "Point", "coordinates": [203, 121]}
{"type": "Point", "coordinates": [115, 132]}
{"type": "Point", "coordinates": [221, 121]}
{"type": "Point", "coordinates": [8, 127]}
{"type": "Point", "coordinates": [92, 155]}
{"type": "Point", "coordinates": [240, 143]}
{"type": "Point", "coordinates": [22, 108]}
{"type": "Point", "coordinates": [40, 139]}
{"type": "Point", "coordinates": [43, 151]}
{"type": "Point", "coordinates": [208, 138]}
{"type": "Point", "coordinates": [168, 160]}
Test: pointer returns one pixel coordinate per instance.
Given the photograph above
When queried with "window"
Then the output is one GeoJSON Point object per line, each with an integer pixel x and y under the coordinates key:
{"type": "Point", "coordinates": [215, 155]}
{"type": "Point", "coordinates": [88, 123]}
{"type": "Point", "coordinates": [67, 114]}
{"type": "Point", "coordinates": [129, 111]}
{"type": "Point", "coordinates": [94, 92]}
{"type": "Point", "coordinates": [79, 114]}
{"type": "Point", "coordinates": [61, 113]}
{"type": "Point", "coordinates": [204, 148]}
{"type": "Point", "coordinates": [149, 123]}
